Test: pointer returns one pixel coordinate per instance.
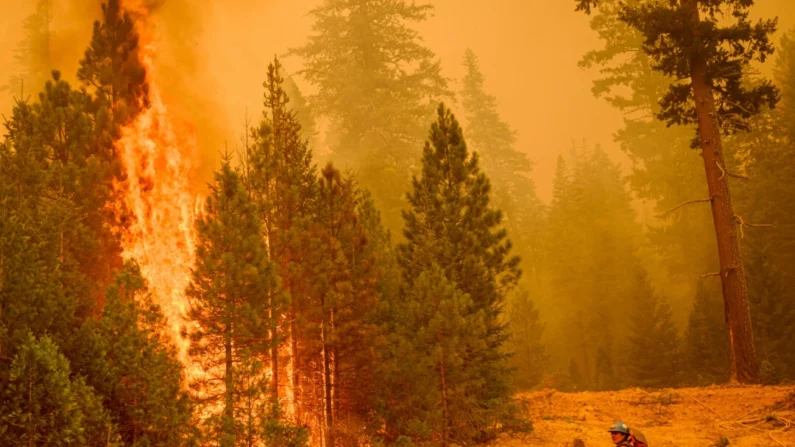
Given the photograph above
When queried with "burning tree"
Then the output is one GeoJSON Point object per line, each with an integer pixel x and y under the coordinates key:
{"type": "Point", "coordinates": [229, 308]}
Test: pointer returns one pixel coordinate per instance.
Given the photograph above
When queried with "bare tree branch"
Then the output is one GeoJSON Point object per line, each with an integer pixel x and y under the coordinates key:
{"type": "Point", "coordinates": [723, 173]}
{"type": "Point", "coordinates": [683, 204]}
{"type": "Point", "coordinates": [744, 224]}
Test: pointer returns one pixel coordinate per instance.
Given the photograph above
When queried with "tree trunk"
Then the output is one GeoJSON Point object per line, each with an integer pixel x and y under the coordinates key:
{"type": "Point", "coordinates": [445, 409]}
{"type": "Point", "coordinates": [335, 370]}
{"type": "Point", "coordinates": [274, 353]}
{"type": "Point", "coordinates": [229, 392]}
{"type": "Point", "coordinates": [735, 293]}
{"type": "Point", "coordinates": [294, 379]}
{"type": "Point", "coordinates": [327, 397]}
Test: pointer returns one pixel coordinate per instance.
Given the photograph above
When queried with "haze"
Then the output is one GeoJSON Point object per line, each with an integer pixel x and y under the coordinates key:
{"type": "Point", "coordinates": [528, 52]}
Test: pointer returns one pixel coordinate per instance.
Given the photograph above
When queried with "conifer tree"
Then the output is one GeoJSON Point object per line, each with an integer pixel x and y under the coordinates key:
{"type": "Point", "coordinates": [575, 375]}
{"type": "Point", "coordinates": [281, 178]}
{"type": "Point", "coordinates": [228, 293]}
{"type": "Point", "coordinates": [303, 112]}
{"type": "Point", "coordinates": [514, 192]}
{"type": "Point", "coordinates": [591, 228]}
{"type": "Point", "coordinates": [605, 374]}
{"type": "Point", "coordinates": [451, 224]}
{"type": "Point", "coordinates": [764, 201]}
{"type": "Point", "coordinates": [685, 39]}
{"type": "Point", "coordinates": [654, 348]}
{"type": "Point", "coordinates": [665, 170]}
{"type": "Point", "coordinates": [33, 54]}
{"type": "Point", "coordinates": [341, 280]}
{"type": "Point", "coordinates": [42, 404]}
{"type": "Point", "coordinates": [438, 328]}
{"type": "Point", "coordinates": [377, 86]}
{"type": "Point", "coordinates": [706, 340]}
{"type": "Point", "coordinates": [134, 367]}
{"type": "Point", "coordinates": [529, 359]}
{"type": "Point", "coordinates": [112, 67]}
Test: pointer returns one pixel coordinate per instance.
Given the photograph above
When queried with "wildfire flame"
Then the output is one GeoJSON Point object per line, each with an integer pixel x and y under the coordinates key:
{"type": "Point", "coordinates": [157, 191]}
{"type": "Point", "coordinates": [160, 191]}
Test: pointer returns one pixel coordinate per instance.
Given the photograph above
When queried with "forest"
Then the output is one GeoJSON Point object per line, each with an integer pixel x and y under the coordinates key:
{"type": "Point", "coordinates": [372, 261]}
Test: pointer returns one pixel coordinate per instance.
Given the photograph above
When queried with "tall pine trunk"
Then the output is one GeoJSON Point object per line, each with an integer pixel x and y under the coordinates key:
{"type": "Point", "coordinates": [229, 391]}
{"type": "Point", "coordinates": [274, 352]}
{"type": "Point", "coordinates": [735, 292]}
{"type": "Point", "coordinates": [327, 398]}
{"type": "Point", "coordinates": [294, 378]}
{"type": "Point", "coordinates": [335, 371]}
{"type": "Point", "coordinates": [443, 383]}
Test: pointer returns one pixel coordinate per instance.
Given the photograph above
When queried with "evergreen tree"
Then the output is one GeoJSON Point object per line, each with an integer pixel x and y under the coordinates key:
{"type": "Point", "coordinates": [665, 171]}
{"type": "Point", "coordinates": [605, 378]}
{"type": "Point", "coordinates": [282, 180]}
{"type": "Point", "coordinates": [133, 366]}
{"type": "Point", "coordinates": [529, 359]}
{"type": "Point", "coordinates": [654, 345]}
{"type": "Point", "coordinates": [438, 329]}
{"type": "Point", "coordinates": [35, 292]}
{"type": "Point", "coordinates": [706, 340]}
{"type": "Point", "coordinates": [514, 191]}
{"type": "Point", "coordinates": [575, 375]}
{"type": "Point", "coordinates": [303, 112]}
{"type": "Point", "coordinates": [33, 54]}
{"type": "Point", "coordinates": [229, 292]}
{"type": "Point", "coordinates": [377, 84]}
{"type": "Point", "coordinates": [452, 225]}
{"type": "Point", "coordinates": [765, 207]}
{"type": "Point", "coordinates": [686, 40]}
{"type": "Point", "coordinates": [42, 404]}
{"type": "Point", "coordinates": [112, 67]}
{"type": "Point", "coordinates": [591, 259]}
{"type": "Point", "coordinates": [342, 281]}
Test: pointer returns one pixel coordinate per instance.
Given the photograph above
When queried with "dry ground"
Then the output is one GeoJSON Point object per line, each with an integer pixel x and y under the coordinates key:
{"type": "Point", "coordinates": [746, 416]}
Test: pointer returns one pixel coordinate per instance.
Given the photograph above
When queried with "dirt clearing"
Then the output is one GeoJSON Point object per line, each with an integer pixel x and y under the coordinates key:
{"type": "Point", "coordinates": [743, 416]}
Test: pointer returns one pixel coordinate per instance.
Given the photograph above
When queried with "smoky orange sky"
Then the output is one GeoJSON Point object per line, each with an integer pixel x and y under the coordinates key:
{"type": "Point", "coordinates": [214, 56]}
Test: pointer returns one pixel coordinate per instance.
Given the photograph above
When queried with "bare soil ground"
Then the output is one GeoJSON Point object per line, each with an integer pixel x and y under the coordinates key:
{"type": "Point", "coordinates": [745, 416]}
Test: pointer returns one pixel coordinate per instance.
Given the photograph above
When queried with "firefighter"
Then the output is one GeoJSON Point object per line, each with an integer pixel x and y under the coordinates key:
{"type": "Point", "coordinates": [619, 432]}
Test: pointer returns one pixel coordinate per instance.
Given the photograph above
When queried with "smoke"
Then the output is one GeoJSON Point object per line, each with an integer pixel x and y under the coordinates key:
{"type": "Point", "coordinates": [212, 58]}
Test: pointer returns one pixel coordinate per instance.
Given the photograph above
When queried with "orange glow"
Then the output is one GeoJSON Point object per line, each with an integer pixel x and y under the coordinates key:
{"type": "Point", "coordinates": [157, 191]}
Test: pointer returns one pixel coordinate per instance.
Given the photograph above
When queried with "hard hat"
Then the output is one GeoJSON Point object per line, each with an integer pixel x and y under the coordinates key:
{"type": "Point", "coordinates": [619, 427]}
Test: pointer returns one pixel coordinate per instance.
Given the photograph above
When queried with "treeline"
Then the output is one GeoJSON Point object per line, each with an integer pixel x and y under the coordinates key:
{"type": "Point", "coordinates": [386, 305]}
{"type": "Point", "coordinates": [641, 304]}
{"type": "Point", "coordinates": [306, 322]}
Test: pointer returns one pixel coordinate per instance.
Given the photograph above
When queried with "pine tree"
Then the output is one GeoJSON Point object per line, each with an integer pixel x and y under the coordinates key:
{"type": "Point", "coordinates": [451, 224]}
{"type": "Point", "coordinates": [438, 329]}
{"type": "Point", "coordinates": [112, 67]}
{"type": "Point", "coordinates": [605, 375]}
{"type": "Point", "coordinates": [33, 54]}
{"type": "Point", "coordinates": [575, 375]}
{"type": "Point", "coordinates": [706, 340]}
{"type": "Point", "coordinates": [654, 349]}
{"type": "Point", "coordinates": [495, 142]}
{"type": "Point", "coordinates": [42, 232]}
{"type": "Point", "coordinates": [377, 86]}
{"type": "Point", "coordinates": [529, 359]}
{"type": "Point", "coordinates": [229, 291]}
{"type": "Point", "coordinates": [590, 262]}
{"type": "Point", "coordinates": [42, 404]}
{"type": "Point", "coordinates": [129, 361]}
{"type": "Point", "coordinates": [341, 281]}
{"type": "Point", "coordinates": [303, 112]}
{"type": "Point", "coordinates": [685, 40]}
{"type": "Point", "coordinates": [282, 180]}
{"type": "Point", "coordinates": [764, 204]}
{"type": "Point", "coordinates": [665, 171]}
